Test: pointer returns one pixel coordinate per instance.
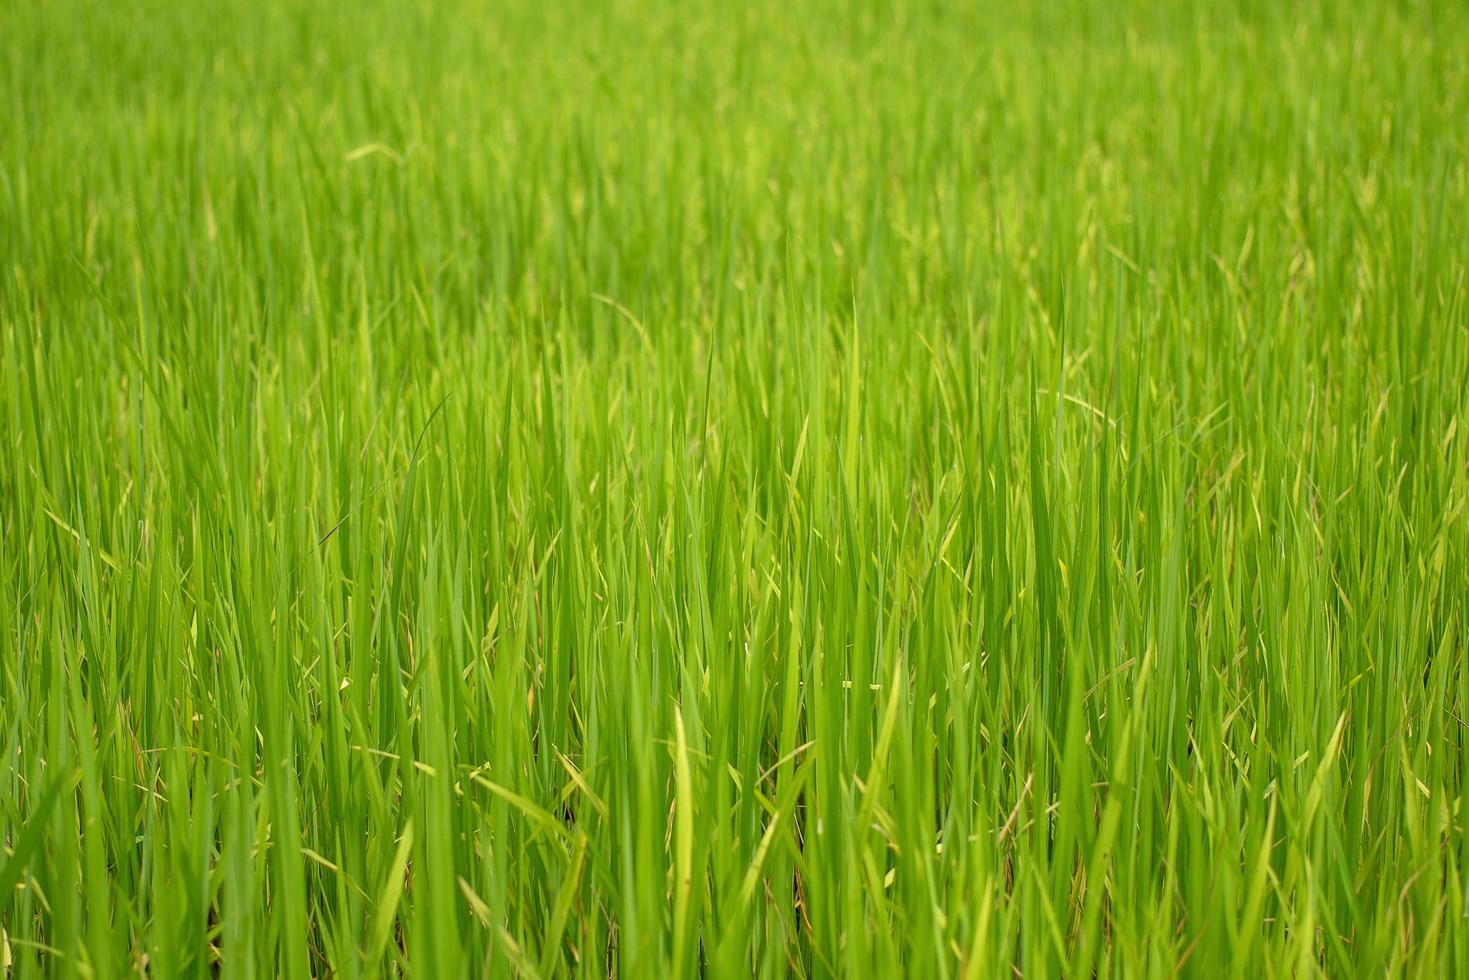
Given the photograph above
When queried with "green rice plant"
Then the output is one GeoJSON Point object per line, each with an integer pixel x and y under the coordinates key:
{"type": "Point", "coordinates": [644, 489]}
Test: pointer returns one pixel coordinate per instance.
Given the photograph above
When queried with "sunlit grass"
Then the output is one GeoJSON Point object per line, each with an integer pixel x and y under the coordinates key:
{"type": "Point", "coordinates": [768, 489]}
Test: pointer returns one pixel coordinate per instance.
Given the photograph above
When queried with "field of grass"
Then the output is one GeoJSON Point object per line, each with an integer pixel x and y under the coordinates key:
{"type": "Point", "coordinates": [737, 489]}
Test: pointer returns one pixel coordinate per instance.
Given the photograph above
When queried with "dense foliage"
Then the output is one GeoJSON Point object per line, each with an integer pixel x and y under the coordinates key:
{"type": "Point", "coordinates": [647, 489]}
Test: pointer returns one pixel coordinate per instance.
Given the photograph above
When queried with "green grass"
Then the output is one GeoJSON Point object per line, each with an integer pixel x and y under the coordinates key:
{"type": "Point", "coordinates": [783, 489]}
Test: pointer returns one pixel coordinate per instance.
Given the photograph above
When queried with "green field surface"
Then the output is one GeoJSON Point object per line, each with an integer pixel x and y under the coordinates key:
{"type": "Point", "coordinates": [772, 489]}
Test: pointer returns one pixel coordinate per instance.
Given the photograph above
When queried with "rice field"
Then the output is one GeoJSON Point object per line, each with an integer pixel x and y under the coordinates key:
{"type": "Point", "coordinates": [825, 489]}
